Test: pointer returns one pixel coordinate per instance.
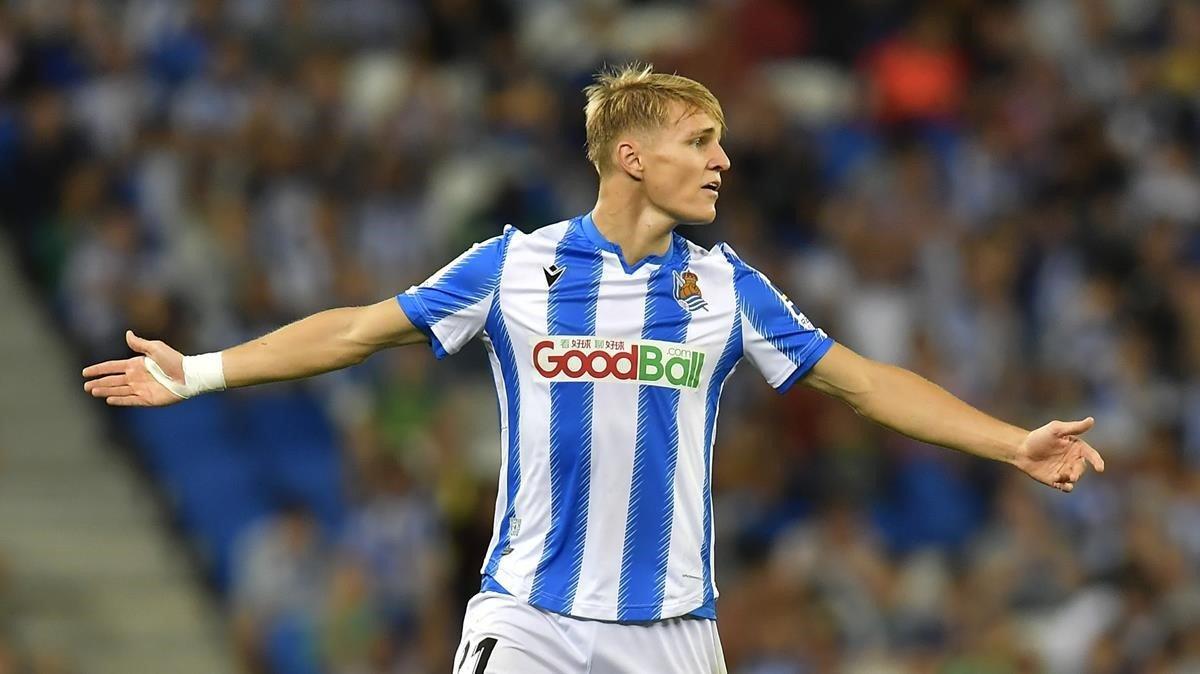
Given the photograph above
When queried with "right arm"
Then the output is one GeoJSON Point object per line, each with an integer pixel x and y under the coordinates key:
{"type": "Point", "coordinates": [449, 309]}
{"type": "Point", "coordinates": [325, 341]}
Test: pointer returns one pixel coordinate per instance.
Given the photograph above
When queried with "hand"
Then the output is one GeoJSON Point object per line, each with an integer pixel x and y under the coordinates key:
{"type": "Point", "coordinates": [127, 383]}
{"type": "Point", "coordinates": [1055, 455]}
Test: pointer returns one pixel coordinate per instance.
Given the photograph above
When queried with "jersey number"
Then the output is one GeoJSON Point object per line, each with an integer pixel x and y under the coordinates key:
{"type": "Point", "coordinates": [483, 651]}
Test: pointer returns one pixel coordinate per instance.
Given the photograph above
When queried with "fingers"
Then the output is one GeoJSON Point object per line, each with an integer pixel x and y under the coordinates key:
{"type": "Point", "coordinates": [111, 391]}
{"type": "Point", "coordinates": [111, 380]}
{"type": "Point", "coordinates": [126, 401]}
{"type": "Point", "coordinates": [1084, 456]}
{"type": "Point", "coordinates": [1093, 457]}
{"type": "Point", "coordinates": [1074, 427]}
{"type": "Point", "coordinates": [117, 366]}
{"type": "Point", "coordinates": [1073, 470]}
{"type": "Point", "coordinates": [1061, 482]}
{"type": "Point", "coordinates": [1076, 471]}
{"type": "Point", "coordinates": [1067, 479]}
{"type": "Point", "coordinates": [107, 367]}
{"type": "Point", "coordinates": [136, 343]}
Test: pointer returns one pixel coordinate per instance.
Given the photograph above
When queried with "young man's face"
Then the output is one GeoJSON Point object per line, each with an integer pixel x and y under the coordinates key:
{"type": "Point", "coordinates": [682, 164]}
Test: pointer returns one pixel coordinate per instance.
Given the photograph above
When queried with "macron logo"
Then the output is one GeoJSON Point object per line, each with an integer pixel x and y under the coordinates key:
{"type": "Point", "coordinates": [553, 273]}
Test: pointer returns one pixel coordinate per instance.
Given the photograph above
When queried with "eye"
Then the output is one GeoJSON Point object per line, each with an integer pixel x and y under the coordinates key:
{"type": "Point", "coordinates": [698, 141]}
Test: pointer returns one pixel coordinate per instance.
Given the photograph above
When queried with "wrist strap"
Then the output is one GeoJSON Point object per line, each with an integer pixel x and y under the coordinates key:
{"type": "Point", "coordinates": [201, 374]}
{"type": "Point", "coordinates": [205, 372]}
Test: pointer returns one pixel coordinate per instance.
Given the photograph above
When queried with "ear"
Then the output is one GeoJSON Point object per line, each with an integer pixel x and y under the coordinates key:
{"type": "Point", "coordinates": [629, 159]}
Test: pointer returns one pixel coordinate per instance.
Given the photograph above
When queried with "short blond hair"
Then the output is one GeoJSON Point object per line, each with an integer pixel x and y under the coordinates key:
{"type": "Point", "coordinates": [634, 97]}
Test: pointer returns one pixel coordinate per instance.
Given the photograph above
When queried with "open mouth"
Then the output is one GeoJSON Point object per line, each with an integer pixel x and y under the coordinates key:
{"type": "Point", "coordinates": [714, 186]}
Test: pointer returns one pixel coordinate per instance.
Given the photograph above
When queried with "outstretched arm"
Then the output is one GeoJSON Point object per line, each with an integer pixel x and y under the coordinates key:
{"type": "Point", "coordinates": [912, 405]}
{"type": "Point", "coordinates": [325, 341]}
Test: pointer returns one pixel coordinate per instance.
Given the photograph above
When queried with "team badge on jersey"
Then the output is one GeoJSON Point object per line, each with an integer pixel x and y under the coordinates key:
{"type": "Point", "coordinates": [687, 291]}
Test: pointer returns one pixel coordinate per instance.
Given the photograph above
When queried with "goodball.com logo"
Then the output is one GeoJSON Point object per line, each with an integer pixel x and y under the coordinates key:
{"type": "Point", "coordinates": [646, 361]}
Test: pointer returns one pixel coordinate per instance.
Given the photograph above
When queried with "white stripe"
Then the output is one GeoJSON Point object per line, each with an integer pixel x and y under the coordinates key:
{"type": "Point", "coordinates": [619, 311]}
{"type": "Point", "coordinates": [456, 329]}
{"type": "Point", "coordinates": [774, 366]}
{"type": "Point", "coordinates": [523, 301]}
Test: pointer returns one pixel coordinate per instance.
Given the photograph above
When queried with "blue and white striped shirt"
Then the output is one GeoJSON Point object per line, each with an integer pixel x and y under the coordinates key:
{"type": "Point", "coordinates": [608, 378]}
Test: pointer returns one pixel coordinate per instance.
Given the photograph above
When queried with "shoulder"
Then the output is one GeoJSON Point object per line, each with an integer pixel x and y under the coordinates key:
{"type": "Point", "coordinates": [720, 256]}
{"type": "Point", "coordinates": [544, 237]}
{"type": "Point", "coordinates": [726, 251]}
{"type": "Point", "coordinates": [741, 269]}
{"type": "Point", "coordinates": [697, 254]}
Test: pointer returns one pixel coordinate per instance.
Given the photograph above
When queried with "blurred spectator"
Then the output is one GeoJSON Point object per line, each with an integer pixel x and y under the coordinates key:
{"type": "Point", "coordinates": [279, 570]}
{"type": "Point", "coordinates": [918, 76]}
{"type": "Point", "coordinates": [397, 544]}
{"type": "Point", "coordinates": [353, 631]}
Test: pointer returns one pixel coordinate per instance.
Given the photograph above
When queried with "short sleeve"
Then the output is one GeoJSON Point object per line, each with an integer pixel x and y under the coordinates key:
{"type": "Point", "coordinates": [451, 306]}
{"type": "Point", "coordinates": [779, 340]}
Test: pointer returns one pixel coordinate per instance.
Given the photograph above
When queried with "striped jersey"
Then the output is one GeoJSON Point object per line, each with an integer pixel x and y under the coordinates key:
{"type": "Point", "coordinates": [608, 378]}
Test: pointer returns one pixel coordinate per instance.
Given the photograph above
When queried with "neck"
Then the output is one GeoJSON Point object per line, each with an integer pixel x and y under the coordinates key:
{"type": "Point", "coordinates": [630, 221]}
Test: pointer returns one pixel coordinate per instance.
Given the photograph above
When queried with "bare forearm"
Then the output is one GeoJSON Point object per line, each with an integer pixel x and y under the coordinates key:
{"type": "Point", "coordinates": [910, 404]}
{"type": "Point", "coordinates": [319, 343]}
{"type": "Point", "coordinates": [914, 406]}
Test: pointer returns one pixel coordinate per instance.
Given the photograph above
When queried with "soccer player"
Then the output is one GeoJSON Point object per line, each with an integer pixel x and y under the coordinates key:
{"type": "Point", "coordinates": [610, 337]}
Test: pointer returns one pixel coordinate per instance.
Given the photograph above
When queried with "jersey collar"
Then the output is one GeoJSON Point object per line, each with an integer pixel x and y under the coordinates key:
{"type": "Point", "coordinates": [588, 225]}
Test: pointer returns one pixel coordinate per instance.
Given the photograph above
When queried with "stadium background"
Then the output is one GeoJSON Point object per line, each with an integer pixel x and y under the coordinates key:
{"type": "Point", "coordinates": [1002, 196]}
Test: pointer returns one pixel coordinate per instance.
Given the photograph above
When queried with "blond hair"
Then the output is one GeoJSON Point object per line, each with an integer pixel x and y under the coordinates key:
{"type": "Point", "coordinates": [634, 97]}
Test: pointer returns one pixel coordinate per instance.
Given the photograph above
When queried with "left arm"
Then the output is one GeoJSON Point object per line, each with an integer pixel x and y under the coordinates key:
{"type": "Point", "coordinates": [912, 405]}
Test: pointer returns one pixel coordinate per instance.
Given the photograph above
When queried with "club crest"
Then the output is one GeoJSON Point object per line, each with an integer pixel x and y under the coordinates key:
{"type": "Point", "coordinates": [687, 291]}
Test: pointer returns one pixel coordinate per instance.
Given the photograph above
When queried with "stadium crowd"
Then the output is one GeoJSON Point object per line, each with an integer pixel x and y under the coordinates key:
{"type": "Point", "coordinates": [1002, 196]}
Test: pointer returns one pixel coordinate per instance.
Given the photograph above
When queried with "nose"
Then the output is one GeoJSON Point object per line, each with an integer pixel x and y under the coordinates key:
{"type": "Point", "coordinates": [721, 161]}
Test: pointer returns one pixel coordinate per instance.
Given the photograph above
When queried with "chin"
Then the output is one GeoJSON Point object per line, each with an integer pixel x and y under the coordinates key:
{"type": "Point", "coordinates": [704, 217]}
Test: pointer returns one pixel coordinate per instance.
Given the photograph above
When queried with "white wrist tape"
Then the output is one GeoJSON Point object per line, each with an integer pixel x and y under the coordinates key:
{"type": "Point", "coordinates": [201, 374]}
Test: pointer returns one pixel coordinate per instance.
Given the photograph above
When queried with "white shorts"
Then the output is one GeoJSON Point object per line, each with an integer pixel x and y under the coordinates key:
{"type": "Point", "coordinates": [504, 635]}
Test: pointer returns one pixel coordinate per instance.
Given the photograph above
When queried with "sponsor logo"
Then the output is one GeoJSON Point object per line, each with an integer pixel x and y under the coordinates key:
{"type": "Point", "coordinates": [561, 358]}
{"type": "Point", "coordinates": [687, 291]}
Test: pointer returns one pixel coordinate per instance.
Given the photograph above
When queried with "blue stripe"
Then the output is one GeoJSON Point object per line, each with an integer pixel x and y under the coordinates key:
{"type": "Point", "coordinates": [730, 355]}
{"type": "Point", "coordinates": [498, 332]}
{"type": "Point", "coordinates": [473, 275]}
{"type": "Point", "coordinates": [571, 310]}
{"type": "Point", "coordinates": [765, 309]}
{"type": "Point", "coordinates": [468, 280]}
{"type": "Point", "coordinates": [652, 492]}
